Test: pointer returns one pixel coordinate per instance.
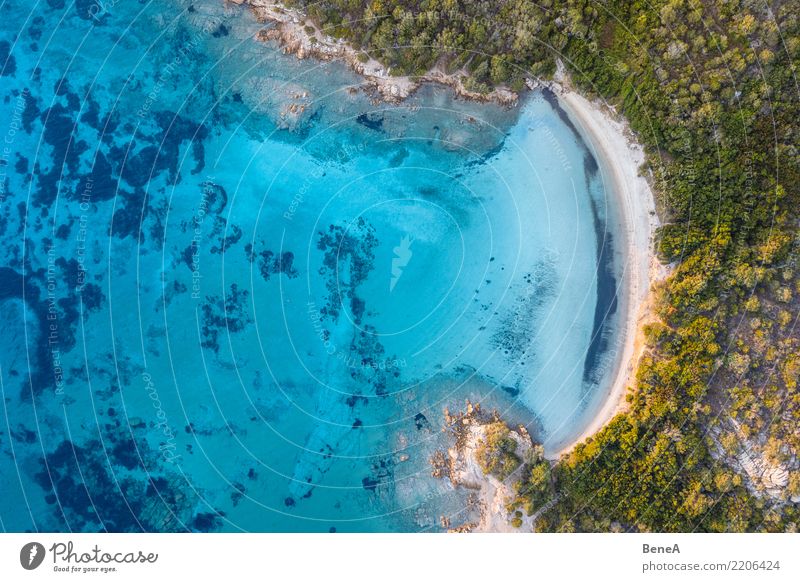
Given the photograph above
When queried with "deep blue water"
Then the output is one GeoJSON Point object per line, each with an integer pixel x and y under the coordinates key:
{"type": "Point", "coordinates": [238, 292]}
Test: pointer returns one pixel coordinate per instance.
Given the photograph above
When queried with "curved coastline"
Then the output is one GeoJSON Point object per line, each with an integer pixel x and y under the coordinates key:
{"type": "Point", "coordinates": [610, 142]}
{"type": "Point", "coordinates": [620, 158]}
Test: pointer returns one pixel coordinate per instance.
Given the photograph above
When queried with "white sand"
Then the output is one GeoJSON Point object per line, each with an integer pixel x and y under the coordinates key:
{"type": "Point", "coordinates": [620, 159]}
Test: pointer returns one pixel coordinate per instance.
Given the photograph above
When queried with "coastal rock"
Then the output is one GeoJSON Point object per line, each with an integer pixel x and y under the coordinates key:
{"type": "Point", "coordinates": [299, 36]}
{"type": "Point", "coordinates": [460, 464]}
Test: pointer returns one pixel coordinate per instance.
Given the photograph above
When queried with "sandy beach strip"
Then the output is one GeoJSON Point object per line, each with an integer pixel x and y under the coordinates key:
{"type": "Point", "coordinates": [620, 158]}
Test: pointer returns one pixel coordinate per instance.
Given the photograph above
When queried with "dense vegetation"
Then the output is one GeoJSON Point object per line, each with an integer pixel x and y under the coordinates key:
{"type": "Point", "coordinates": [711, 90]}
{"type": "Point", "coordinates": [496, 453]}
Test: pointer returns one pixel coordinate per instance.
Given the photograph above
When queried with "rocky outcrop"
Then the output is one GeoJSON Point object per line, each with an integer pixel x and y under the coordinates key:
{"type": "Point", "coordinates": [762, 476]}
{"type": "Point", "coordinates": [487, 509]}
{"type": "Point", "coordinates": [302, 38]}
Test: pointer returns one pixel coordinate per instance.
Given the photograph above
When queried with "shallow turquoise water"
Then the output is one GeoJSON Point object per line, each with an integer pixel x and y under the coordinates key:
{"type": "Point", "coordinates": [239, 293]}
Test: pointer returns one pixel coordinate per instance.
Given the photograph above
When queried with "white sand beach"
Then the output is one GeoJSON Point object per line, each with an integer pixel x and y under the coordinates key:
{"type": "Point", "coordinates": [620, 159]}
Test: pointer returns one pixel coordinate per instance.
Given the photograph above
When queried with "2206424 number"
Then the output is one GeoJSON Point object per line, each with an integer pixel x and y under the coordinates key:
{"type": "Point", "coordinates": [765, 565]}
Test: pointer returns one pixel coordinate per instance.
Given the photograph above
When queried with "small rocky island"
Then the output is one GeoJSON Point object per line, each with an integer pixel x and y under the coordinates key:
{"type": "Point", "coordinates": [511, 482]}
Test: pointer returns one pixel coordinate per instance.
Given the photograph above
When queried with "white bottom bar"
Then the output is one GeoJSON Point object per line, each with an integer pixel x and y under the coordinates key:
{"type": "Point", "coordinates": [416, 558]}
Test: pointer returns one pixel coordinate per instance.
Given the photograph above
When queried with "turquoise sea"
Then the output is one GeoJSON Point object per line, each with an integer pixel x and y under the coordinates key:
{"type": "Point", "coordinates": [237, 291]}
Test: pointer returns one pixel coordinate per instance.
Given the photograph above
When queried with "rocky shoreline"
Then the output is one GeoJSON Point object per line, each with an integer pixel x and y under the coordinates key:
{"type": "Point", "coordinates": [299, 36]}
{"type": "Point", "coordinates": [493, 499]}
